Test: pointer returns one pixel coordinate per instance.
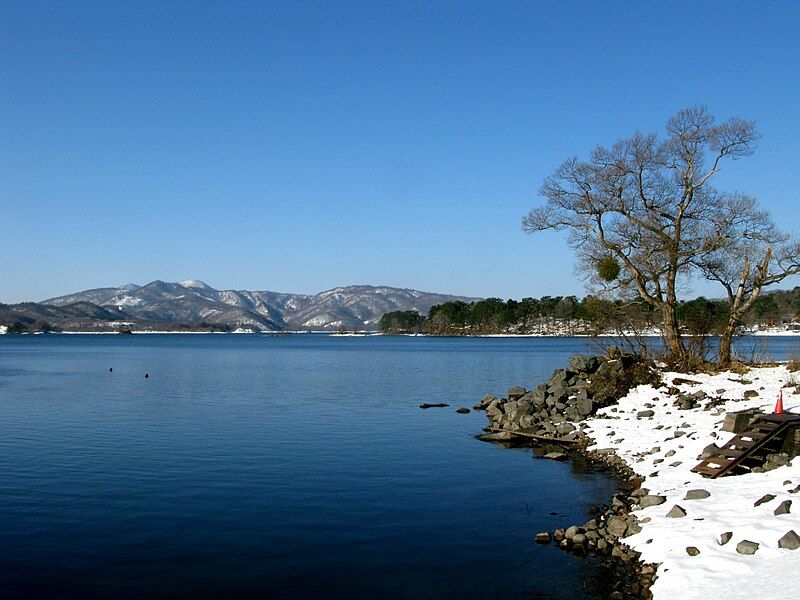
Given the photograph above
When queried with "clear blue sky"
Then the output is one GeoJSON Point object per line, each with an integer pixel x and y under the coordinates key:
{"type": "Point", "coordinates": [300, 146]}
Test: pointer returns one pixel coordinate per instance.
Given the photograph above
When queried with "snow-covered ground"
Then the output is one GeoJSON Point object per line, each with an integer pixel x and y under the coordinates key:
{"type": "Point", "coordinates": [719, 571]}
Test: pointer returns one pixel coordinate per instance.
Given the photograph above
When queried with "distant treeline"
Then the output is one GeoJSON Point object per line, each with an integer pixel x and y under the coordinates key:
{"type": "Point", "coordinates": [569, 315]}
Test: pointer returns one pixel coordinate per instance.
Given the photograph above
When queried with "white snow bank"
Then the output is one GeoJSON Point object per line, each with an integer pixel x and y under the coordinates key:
{"type": "Point", "coordinates": [718, 571]}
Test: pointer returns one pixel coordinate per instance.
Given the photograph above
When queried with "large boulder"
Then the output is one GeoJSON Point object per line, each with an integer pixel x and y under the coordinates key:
{"type": "Point", "coordinates": [516, 392]}
{"type": "Point", "coordinates": [581, 363]}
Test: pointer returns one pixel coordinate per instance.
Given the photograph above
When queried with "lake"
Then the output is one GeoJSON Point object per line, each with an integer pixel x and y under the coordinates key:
{"type": "Point", "coordinates": [289, 466]}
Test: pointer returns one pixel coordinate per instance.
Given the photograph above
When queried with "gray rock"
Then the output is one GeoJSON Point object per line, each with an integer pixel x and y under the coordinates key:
{"type": "Point", "coordinates": [564, 428]}
{"type": "Point", "coordinates": [790, 541]}
{"type": "Point", "coordinates": [750, 393]}
{"type": "Point", "coordinates": [584, 364]}
{"type": "Point", "coordinates": [571, 532]}
{"type": "Point", "coordinates": [487, 400]}
{"type": "Point", "coordinates": [542, 538]}
{"type": "Point", "coordinates": [746, 547]}
{"type": "Point", "coordinates": [463, 410]}
{"type": "Point", "coordinates": [558, 378]}
{"type": "Point", "coordinates": [644, 414]}
{"type": "Point", "coordinates": [783, 508]}
{"type": "Point", "coordinates": [494, 410]}
{"type": "Point", "coordinates": [764, 499]}
{"type": "Point", "coordinates": [500, 436]}
{"type": "Point", "coordinates": [556, 456]}
{"type": "Point", "coordinates": [579, 539]}
{"type": "Point", "coordinates": [692, 551]}
{"type": "Point", "coordinates": [516, 392]}
{"type": "Point", "coordinates": [651, 500]}
{"type": "Point", "coordinates": [684, 381]}
{"type": "Point", "coordinates": [725, 538]}
{"type": "Point", "coordinates": [585, 406]}
{"type": "Point", "coordinates": [676, 512]}
{"type": "Point", "coordinates": [616, 526]}
{"type": "Point", "coordinates": [697, 494]}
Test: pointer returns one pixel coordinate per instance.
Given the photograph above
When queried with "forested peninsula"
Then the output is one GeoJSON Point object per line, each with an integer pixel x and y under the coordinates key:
{"type": "Point", "coordinates": [591, 315]}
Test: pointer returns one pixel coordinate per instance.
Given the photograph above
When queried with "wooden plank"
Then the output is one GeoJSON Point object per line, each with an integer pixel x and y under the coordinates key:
{"type": "Point", "coordinates": [761, 432]}
{"type": "Point", "coordinates": [528, 433]}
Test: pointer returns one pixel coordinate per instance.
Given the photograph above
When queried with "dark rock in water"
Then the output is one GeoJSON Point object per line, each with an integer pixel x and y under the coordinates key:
{"type": "Point", "coordinates": [111, 369]}
{"type": "Point", "coordinates": [676, 512]}
{"type": "Point", "coordinates": [463, 410]}
{"type": "Point", "coordinates": [764, 499]}
{"type": "Point", "coordinates": [556, 456]}
{"type": "Point", "coordinates": [725, 538]}
{"type": "Point", "coordinates": [697, 494]}
{"type": "Point", "coordinates": [146, 375]}
{"type": "Point", "coordinates": [433, 405]}
{"type": "Point", "coordinates": [783, 508]}
{"type": "Point", "coordinates": [542, 538]}
{"type": "Point", "coordinates": [500, 436]}
{"type": "Point", "coordinates": [790, 541]}
{"type": "Point", "coordinates": [692, 551]}
{"type": "Point", "coordinates": [746, 547]}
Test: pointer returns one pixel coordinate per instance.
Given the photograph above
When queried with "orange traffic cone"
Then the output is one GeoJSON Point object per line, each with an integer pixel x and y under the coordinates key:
{"type": "Point", "coordinates": [779, 406]}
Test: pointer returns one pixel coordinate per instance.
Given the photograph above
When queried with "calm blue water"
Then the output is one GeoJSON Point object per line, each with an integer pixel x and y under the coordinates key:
{"type": "Point", "coordinates": [295, 466]}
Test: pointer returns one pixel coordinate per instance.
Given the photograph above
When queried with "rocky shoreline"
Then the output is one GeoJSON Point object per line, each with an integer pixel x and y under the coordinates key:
{"type": "Point", "coordinates": [649, 427]}
{"type": "Point", "coordinates": [558, 409]}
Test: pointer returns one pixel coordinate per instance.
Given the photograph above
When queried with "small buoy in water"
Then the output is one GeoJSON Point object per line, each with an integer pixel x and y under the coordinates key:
{"type": "Point", "coordinates": [110, 369]}
{"type": "Point", "coordinates": [146, 375]}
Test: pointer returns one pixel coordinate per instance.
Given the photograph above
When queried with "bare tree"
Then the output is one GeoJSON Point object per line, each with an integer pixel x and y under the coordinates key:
{"type": "Point", "coordinates": [755, 255]}
{"type": "Point", "coordinates": [647, 203]}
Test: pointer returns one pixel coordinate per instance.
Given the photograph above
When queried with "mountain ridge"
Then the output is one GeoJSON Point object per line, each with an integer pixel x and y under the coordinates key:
{"type": "Point", "coordinates": [192, 303]}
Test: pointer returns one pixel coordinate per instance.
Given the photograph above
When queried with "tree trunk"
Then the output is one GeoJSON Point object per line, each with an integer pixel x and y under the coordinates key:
{"type": "Point", "coordinates": [725, 343]}
{"type": "Point", "coordinates": [676, 353]}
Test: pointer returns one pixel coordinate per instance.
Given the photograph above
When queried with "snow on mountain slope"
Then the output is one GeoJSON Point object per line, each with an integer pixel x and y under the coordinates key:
{"type": "Point", "coordinates": [192, 301]}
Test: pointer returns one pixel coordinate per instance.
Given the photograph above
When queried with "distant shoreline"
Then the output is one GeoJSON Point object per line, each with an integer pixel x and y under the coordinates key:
{"type": "Point", "coordinates": [763, 333]}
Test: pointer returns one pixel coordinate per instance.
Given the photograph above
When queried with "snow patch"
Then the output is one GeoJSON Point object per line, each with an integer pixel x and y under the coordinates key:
{"type": "Point", "coordinates": [718, 571]}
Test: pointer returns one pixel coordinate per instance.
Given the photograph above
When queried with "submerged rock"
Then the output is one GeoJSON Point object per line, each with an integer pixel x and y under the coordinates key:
{"type": "Point", "coordinates": [556, 456]}
{"type": "Point", "coordinates": [542, 538]}
{"type": "Point", "coordinates": [425, 405]}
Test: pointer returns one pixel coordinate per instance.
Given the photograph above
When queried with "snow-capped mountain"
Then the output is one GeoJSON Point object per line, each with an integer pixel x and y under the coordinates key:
{"type": "Point", "coordinates": [193, 301]}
